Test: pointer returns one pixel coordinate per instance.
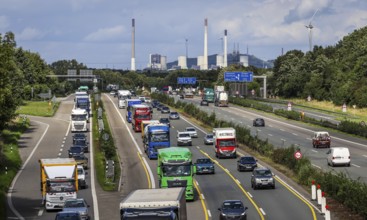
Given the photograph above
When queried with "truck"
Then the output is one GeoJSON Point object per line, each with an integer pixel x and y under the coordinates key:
{"type": "Point", "coordinates": [79, 120]}
{"type": "Point", "coordinates": [188, 93]}
{"type": "Point", "coordinates": [144, 124]}
{"type": "Point", "coordinates": [139, 113]}
{"type": "Point", "coordinates": [59, 181]}
{"type": "Point", "coordinates": [208, 95]}
{"type": "Point", "coordinates": [129, 104]}
{"type": "Point", "coordinates": [225, 142]}
{"type": "Point", "coordinates": [221, 98]}
{"type": "Point", "coordinates": [83, 102]}
{"type": "Point", "coordinates": [123, 94]}
{"type": "Point", "coordinates": [154, 204]}
{"type": "Point", "coordinates": [175, 169]}
{"type": "Point", "coordinates": [156, 136]}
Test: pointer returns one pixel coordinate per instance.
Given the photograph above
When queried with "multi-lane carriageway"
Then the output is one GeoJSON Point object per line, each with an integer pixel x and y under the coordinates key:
{"type": "Point", "coordinates": [286, 201]}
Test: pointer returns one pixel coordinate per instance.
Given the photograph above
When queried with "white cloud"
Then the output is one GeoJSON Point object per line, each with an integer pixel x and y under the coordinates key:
{"type": "Point", "coordinates": [106, 34]}
{"type": "Point", "coordinates": [30, 34]}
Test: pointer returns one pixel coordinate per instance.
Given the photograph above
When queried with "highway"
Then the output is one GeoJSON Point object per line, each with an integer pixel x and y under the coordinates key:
{"type": "Point", "coordinates": [282, 133]}
{"type": "Point", "coordinates": [50, 137]}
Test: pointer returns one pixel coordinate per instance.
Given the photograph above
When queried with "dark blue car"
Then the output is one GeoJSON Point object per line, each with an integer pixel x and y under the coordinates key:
{"type": "Point", "coordinates": [246, 163]}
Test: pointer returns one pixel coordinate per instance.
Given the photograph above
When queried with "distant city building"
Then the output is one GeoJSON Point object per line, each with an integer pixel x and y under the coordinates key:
{"type": "Point", "coordinates": [157, 62]}
{"type": "Point", "coordinates": [182, 62]}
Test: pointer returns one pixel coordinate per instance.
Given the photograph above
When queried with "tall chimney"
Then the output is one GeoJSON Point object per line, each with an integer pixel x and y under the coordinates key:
{"type": "Point", "coordinates": [225, 50]}
{"type": "Point", "coordinates": [205, 61]}
{"type": "Point", "coordinates": [133, 46]}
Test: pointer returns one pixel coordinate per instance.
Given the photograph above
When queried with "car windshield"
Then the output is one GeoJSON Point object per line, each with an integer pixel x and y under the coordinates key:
{"type": "Point", "coordinates": [164, 120]}
{"type": "Point", "coordinates": [190, 129]}
{"type": "Point", "coordinates": [248, 159]}
{"type": "Point", "coordinates": [264, 173]}
{"type": "Point", "coordinates": [76, 149]}
{"type": "Point", "coordinates": [80, 142]}
{"type": "Point", "coordinates": [184, 135]}
{"type": "Point", "coordinates": [174, 113]}
{"type": "Point", "coordinates": [232, 205]}
{"type": "Point", "coordinates": [204, 161]}
{"type": "Point", "coordinates": [74, 204]}
{"type": "Point", "coordinates": [209, 136]}
{"type": "Point", "coordinates": [165, 108]}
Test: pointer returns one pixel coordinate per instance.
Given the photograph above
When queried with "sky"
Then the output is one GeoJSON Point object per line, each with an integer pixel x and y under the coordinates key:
{"type": "Point", "coordinates": [98, 33]}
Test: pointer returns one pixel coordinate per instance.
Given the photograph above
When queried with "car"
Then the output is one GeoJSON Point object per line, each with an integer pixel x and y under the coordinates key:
{"type": "Point", "coordinates": [165, 110]}
{"type": "Point", "coordinates": [79, 136]}
{"type": "Point", "coordinates": [321, 139]}
{"type": "Point", "coordinates": [147, 100]}
{"type": "Point", "coordinates": [338, 156]}
{"type": "Point", "coordinates": [209, 139]}
{"type": "Point", "coordinates": [204, 102]}
{"type": "Point", "coordinates": [258, 122]}
{"type": "Point", "coordinates": [81, 142]}
{"type": "Point", "coordinates": [112, 93]}
{"type": "Point", "coordinates": [183, 138]}
{"type": "Point", "coordinates": [82, 182]}
{"type": "Point", "coordinates": [262, 177]}
{"type": "Point", "coordinates": [232, 209]}
{"type": "Point", "coordinates": [165, 121]}
{"type": "Point", "coordinates": [160, 106]}
{"type": "Point", "coordinates": [68, 215]}
{"type": "Point", "coordinates": [81, 160]}
{"type": "Point", "coordinates": [154, 103]}
{"type": "Point", "coordinates": [142, 98]}
{"type": "Point", "coordinates": [192, 131]}
{"type": "Point", "coordinates": [174, 115]}
{"type": "Point", "coordinates": [75, 150]}
{"type": "Point", "coordinates": [204, 165]}
{"type": "Point", "coordinates": [246, 163]}
{"type": "Point", "coordinates": [79, 205]}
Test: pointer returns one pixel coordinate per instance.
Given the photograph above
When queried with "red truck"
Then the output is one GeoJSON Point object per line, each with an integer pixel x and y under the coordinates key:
{"type": "Point", "coordinates": [225, 142]}
{"type": "Point", "coordinates": [139, 113]}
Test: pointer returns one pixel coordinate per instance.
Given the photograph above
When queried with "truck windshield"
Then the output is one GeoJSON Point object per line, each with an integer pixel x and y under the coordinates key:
{"type": "Point", "coordinates": [61, 186]}
{"type": "Point", "coordinates": [142, 116]}
{"type": "Point", "coordinates": [226, 143]}
{"type": "Point", "coordinates": [176, 170]}
{"type": "Point", "coordinates": [81, 117]}
{"type": "Point", "coordinates": [159, 137]}
{"type": "Point", "coordinates": [82, 105]}
{"type": "Point", "coordinates": [149, 214]}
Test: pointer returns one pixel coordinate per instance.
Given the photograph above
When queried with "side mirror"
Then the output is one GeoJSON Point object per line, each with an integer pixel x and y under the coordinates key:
{"type": "Point", "coordinates": [219, 209]}
{"type": "Point", "coordinates": [246, 208]}
{"type": "Point", "coordinates": [158, 171]}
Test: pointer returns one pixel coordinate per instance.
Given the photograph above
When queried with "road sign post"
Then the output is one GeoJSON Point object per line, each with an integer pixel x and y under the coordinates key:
{"type": "Point", "coordinates": [298, 155]}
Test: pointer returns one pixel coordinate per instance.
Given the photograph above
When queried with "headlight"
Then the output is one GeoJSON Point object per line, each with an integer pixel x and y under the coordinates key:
{"type": "Point", "coordinates": [271, 179]}
{"type": "Point", "coordinates": [243, 213]}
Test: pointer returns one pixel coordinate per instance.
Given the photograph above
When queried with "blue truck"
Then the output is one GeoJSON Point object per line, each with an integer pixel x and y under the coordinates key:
{"type": "Point", "coordinates": [156, 136]}
{"type": "Point", "coordinates": [129, 103]}
{"type": "Point", "coordinates": [83, 102]}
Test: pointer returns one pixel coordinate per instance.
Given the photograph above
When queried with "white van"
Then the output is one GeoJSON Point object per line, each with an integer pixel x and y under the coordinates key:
{"type": "Point", "coordinates": [122, 103]}
{"type": "Point", "coordinates": [338, 156]}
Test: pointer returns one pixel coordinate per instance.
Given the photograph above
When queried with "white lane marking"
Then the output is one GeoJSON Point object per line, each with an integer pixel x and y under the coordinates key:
{"type": "Point", "coordinates": [282, 129]}
{"type": "Point", "coordinates": [248, 126]}
{"type": "Point", "coordinates": [40, 212]}
{"type": "Point", "coordinates": [316, 166]}
{"type": "Point", "coordinates": [295, 134]}
{"type": "Point", "coordinates": [270, 126]}
{"type": "Point", "coordinates": [309, 139]}
{"type": "Point", "coordinates": [355, 165]}
{"type": "Point", "coordinates": [196, 182]}
{"type": "Point", "coordinates": [232, 119]}
{"type": "Point", "coordinates": [61, 149]}
{"type": "Point", "coordinates": [202, 196]}
{"type": "Point", "coordinates": [365, 155]}
{"type": "Point", "coordinates": [250, 194]}
{"type": "Point", "coordinates": [315, 151]}
{"type": "Point", "coordinates": [209, 214]}
{"type": "Point", "coordinates": [9, 194]}
{"type": "Point", "coordinates": [241, 122]}
{"type": "Point", "coordinates": [262, 211]}
{"type": "Point", "coordinates": [270, 135]}
{"type": "Point", "coordinates": [64, 138]}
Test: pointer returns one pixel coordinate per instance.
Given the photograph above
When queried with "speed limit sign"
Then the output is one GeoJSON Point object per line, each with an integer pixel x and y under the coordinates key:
{"type": "Point", "coordinates": [297, 155]}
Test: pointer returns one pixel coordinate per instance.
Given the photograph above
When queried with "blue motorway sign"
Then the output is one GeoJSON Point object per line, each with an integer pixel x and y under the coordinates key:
{"type": "Point", "coordinates": [238, 77]}
{"type": "Point", "coordinates": [186, 80]}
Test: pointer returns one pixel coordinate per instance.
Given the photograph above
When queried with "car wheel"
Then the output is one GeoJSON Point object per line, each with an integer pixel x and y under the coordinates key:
{"type": "Point", "coordinates": [348, 164]}
{"type": "Point", "coordinates": [273, 187]}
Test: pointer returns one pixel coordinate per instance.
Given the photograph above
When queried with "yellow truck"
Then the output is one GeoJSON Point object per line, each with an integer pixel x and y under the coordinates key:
{"type": "Point", "coordinates": [59, 181]}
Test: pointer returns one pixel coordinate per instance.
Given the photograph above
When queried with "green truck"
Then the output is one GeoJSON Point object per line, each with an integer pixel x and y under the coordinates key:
{"type": "Point", "coordinates": [175, 169]}
{"type": "Point", "coordinates": [208, 95]}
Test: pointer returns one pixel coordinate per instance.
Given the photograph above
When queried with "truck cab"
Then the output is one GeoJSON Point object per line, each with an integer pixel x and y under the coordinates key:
{"type": "Point", "coordinates": [225, 142]}
{"type": "Point", "coordinates": [79, 120]}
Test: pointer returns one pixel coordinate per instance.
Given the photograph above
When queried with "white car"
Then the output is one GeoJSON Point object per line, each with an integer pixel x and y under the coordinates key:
{"type": "Point", "coordinates": [338, 156]}
{"type": "Point", "coordinates": [183, 138]}
{"type": "Point", "coordinates": [192, 132]}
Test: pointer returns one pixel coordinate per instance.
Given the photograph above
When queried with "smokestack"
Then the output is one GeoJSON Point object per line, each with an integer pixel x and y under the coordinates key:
{"type": "Point", "coordinates": [225, 49]}
{"type": "Point", "coordinates": [205, 61]}
{"type": "Point", "coordinates": [133, 46]}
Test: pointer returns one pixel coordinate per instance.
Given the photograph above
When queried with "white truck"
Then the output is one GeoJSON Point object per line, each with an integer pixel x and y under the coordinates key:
{"type": "Point", "coordinates": [59, 181]}
{"type": "Point", "coordinates": [157, 204]}
{"type": "Point", "coordinates": [79, 120]}
{"type": "Point", "coordinates": [221, 98]}
{"type": "Point", "coordinates": [225, 142]}
{"type": "Point", "coordinates": [123, 94]}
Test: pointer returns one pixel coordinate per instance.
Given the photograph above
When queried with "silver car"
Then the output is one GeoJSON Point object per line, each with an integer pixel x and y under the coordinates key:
{"type": "Point", "coordinates": [79, 205]}
{"type": "Point", "coordinates": [209, 139]}
{"type": "Point", "coordinates": [262, 177]}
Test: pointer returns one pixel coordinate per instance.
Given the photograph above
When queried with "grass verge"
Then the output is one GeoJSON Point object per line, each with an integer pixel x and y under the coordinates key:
{"type": "Point", "coordinates": [38, 108]}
